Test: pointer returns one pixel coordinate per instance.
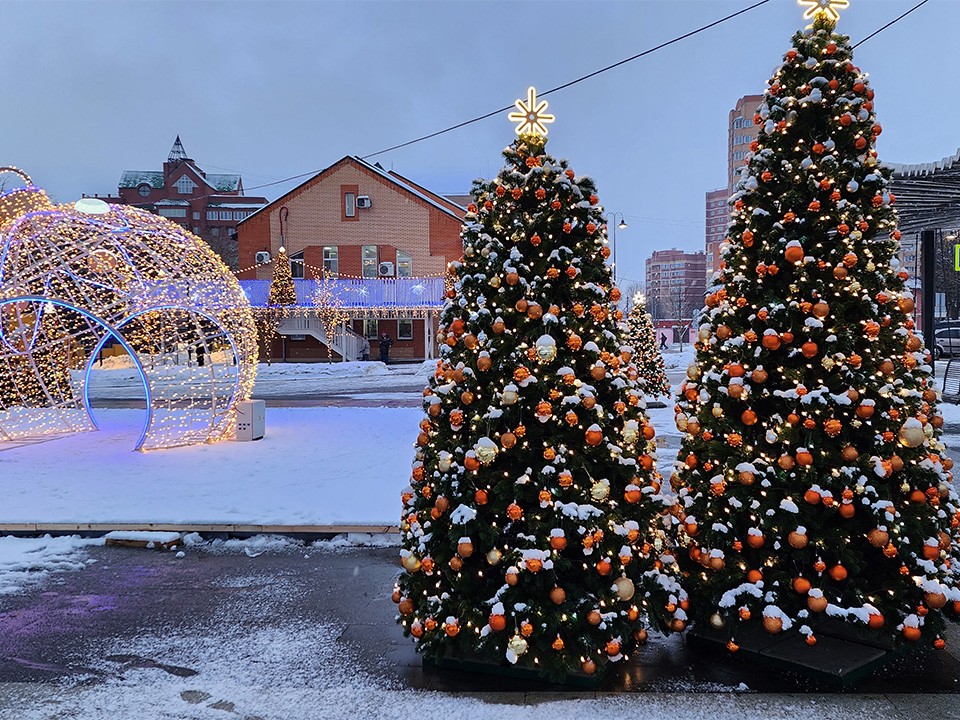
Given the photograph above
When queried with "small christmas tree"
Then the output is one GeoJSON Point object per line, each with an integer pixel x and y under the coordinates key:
{"type": "Point", "coordinates": [529, 523]}
{"type": "Point", "coordinates": [811, 479]}
{"type": "Point", "coordinates": [643, 337]}
{"type": "Point", "coordinates": [282, 296]}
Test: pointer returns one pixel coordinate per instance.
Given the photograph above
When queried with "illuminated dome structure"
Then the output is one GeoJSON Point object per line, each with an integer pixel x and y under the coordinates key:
{"type": "Point", "coordinates": [77, 278]}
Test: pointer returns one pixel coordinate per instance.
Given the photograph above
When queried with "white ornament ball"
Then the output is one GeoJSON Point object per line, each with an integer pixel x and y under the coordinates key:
{"type": "Point", "coordinates": [717, 622]}
{"type": "Point", "coordinates": [494, 557]}
{"type": "Point", "coordinates": [445, 461]}
{"type": "Point", "coordinates": [518, 645]}
{"type": "Point", "coordinates": [509, 396]}
{"type": "Point", "coordinates": [631, 431]}
{"type": "Point", "coordinates": [486, 450]}
{"type": "Point", "coordinates": [546, 348]}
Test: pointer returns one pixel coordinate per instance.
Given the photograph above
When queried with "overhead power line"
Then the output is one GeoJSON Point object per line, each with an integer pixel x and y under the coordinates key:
{"type": "Point", "coordinates": [593, 74]}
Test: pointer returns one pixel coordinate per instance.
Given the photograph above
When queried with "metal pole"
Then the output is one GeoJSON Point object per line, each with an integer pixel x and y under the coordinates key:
{"type": "Point", "coordinates": [927, 238]}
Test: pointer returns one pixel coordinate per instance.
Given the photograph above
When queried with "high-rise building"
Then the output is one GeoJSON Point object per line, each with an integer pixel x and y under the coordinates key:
{"type": "Point", "coordinates": [741, 131]}
{"type": "Point", "coordinates": [676, 284]}
{"type": "Point", "coordinates": [717, 218]}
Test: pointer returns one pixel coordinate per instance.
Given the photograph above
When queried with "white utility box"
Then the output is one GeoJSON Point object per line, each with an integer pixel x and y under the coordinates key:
{"type": "Point", "coordinates": [251, 419]}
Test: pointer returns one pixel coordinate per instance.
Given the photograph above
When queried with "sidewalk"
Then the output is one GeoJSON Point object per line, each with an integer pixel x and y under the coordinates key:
{"type": "Point", "coordinates": [250, 630]}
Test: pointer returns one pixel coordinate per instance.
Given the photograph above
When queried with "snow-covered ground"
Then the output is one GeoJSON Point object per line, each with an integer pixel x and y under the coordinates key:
{"type": "Point", "coordinates": [118, 379]}
{"type": "Point", "coordinates": [316, 466]}
{"type": "Point", "coordinates": [26, 561]}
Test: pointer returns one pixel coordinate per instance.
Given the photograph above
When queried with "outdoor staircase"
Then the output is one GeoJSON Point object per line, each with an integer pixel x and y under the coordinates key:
{"type": "Point", "coordinates": [345, 342]}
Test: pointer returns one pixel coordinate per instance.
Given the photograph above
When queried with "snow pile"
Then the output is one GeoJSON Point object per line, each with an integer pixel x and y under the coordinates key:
{"type": "Point", "coordinates": [25, 561]}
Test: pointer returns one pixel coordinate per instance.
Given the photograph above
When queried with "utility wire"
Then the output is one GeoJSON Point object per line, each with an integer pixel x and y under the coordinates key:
{"type": "Point", "coordinates": [574, 82]}
{"type": "Point", "coordinates": [649, 51]}
{"type": "Point", "coordinates": [892, 22]}
{"type": "Point", "coordinates": [498, 111]}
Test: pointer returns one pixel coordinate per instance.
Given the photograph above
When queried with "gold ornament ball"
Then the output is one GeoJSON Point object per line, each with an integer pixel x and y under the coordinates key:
{"type": "Point", "coordinates": [494, 557]}
{"type": "Point", "coordinates": [411, 563]}
{"type": "Point", "coordinates": [911, 434]}
{"type": "Point", "coordinates": [717, 622]}
{"type": "Point", "coordinates": [625, 588]}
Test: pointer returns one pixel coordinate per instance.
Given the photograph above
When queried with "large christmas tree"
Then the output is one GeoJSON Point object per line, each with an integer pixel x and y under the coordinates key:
{"type": "Point", "coordinates": [530, 521]}
{"type": "Point", "coordinates": [642, 336]}
{"type": "Point", "coordinates": [811, 479]}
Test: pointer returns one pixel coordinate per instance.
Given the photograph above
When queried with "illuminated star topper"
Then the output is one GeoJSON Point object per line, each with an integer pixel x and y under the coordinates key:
{"type": "Point", "coordinates": [830, 8]}
{"type": "Point", "coordinates": [532, 116]}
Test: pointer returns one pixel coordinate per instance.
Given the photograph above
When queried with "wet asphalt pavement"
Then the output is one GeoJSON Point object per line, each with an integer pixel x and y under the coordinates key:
{"type": "Point", "coordinates": [49, 633]}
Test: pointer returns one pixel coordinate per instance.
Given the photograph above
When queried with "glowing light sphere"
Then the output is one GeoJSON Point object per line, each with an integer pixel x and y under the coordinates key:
{"type": "Point", "coordinates": [75, 279]}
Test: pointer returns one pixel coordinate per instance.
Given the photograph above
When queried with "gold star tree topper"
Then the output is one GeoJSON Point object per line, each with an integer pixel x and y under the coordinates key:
{"type": "Point", "coordinates": [830, 8]}
{"type": "Point", "coordinates": [531, 117]}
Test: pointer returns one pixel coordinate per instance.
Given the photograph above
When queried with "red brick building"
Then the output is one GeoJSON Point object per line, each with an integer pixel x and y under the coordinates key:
{"type": "Point", "coordinates": [208, 204]}
{"type": "Point", "coordinates": [385, 238]}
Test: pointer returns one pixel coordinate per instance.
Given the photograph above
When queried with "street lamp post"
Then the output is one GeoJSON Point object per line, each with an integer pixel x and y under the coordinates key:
{"type": "Point", "coordinates": [610, 218]}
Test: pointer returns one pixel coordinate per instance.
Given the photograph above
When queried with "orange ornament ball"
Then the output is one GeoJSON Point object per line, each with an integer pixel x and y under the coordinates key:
{"type": "Point", "coordinates": [793, 254]}
{"type": "Point", "coordinates": [497, 623]}
{"type": "Point", "coordinates": [838, 573]}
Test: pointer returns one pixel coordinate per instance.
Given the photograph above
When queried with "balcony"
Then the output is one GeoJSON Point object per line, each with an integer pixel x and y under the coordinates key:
{"type": "Point", "coordinates": [361, 296]}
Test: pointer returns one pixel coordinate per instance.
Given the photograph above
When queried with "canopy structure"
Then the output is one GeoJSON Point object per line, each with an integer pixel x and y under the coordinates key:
{"type": "Point", "coordinates": [928, 194]}
{"type": "Point", "coordinates": [77, 278]}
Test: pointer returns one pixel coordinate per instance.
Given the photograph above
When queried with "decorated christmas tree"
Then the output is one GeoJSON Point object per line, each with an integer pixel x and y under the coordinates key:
{"type": "Point", "coordinates": [642, 336]}
{"type": "Point", "coordinates": [811, 479]}
{"type": "Point", "coordinates": [529, 527]}
{"type": "Point", "coordinates": [281, 297]}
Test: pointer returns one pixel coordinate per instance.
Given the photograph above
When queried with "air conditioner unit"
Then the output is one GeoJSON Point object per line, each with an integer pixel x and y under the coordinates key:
{"type": "Point", "coordinates": [263, 257]}
{"type": "Point", "coordinates": [385, 269]}
{"type": "Point", "coordinates": [363, 201]}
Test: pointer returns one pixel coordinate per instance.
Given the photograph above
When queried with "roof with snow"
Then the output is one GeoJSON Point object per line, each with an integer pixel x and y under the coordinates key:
{"type": "Point", "coordinates": [928, 194]}
{"type": "Point", "coordinates": [154, 178]}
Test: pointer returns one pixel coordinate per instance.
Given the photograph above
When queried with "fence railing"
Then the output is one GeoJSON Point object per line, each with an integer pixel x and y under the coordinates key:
{"type": "Point", "coordinates": [358, 292]}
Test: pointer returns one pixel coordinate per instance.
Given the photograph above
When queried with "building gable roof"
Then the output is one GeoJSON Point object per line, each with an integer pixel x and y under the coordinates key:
{"type": "Point", "coordinates": [420, 194]}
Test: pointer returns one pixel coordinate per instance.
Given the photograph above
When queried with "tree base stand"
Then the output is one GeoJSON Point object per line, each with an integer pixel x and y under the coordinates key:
{"type": "Point", "coordinates": [843, 654]}
{"type": "Point", "coordinates": [476, 664]}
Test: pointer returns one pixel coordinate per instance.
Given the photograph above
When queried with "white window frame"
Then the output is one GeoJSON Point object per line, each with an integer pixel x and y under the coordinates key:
{"type": "Point", "coordinates": [371, 328]}
{"type": "Point", "coordinates": [369, 266]}
{"type": "Point", "coordinates": [212, 215]}
{"type": "Point", "coordinates": [401, 335]}
{"type": "Point", "coordinates": [144, 190]}
{"type": "Point", "coordinates": [172, 212]}
{"type": "Point", "coordinates": [349, 204]}
{"type": "Point", "coordinates": [182, 185]}
{"type": "Point", "coordinates": [226, 215]}
{"type": "Point", "coordinates": [331, 259]}
{"type": "Point", "coordinates": [404, 260]}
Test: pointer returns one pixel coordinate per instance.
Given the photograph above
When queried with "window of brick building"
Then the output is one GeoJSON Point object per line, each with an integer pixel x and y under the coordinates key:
{"type": "Point", "coordinates": [331, 261]}
{"type": "Point", "coordinates": [144, 190]}
{"type": "Point", "coordinates": [296, 265]}
{"type": "Point", "coordinates": [405, 329]}
{"type": "Point", "coordinates": [404, 264]}
{"type": "Point", "coordinates": [369, 266]}
{"type": "Point", "coordinates": [349, 204]}
{"type": "Point", "coordinates": [185, 185]}
{"type": "Point", "coordinates": [211, 214]}
{"type": "Point", "coordinates": [371, 328]}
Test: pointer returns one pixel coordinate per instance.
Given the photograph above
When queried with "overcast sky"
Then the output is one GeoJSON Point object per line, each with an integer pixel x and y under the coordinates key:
{"type": "Point", "coordinates": [272, 89]}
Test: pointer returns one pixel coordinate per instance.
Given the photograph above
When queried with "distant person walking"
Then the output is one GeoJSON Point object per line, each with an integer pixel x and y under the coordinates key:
{"type": "Point", "coordinates": [385, 343]}
{"type": "Point", "coordinates": [663, 340]}
{"type": "Point", "coordinates": [201, 352]}
{"type": "Point", "coordinates": [365, 351]}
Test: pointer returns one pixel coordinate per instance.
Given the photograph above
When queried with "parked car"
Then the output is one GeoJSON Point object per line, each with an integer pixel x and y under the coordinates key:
{"type": "Point", "coordinates": [946, 342]}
